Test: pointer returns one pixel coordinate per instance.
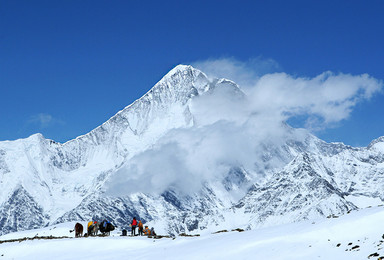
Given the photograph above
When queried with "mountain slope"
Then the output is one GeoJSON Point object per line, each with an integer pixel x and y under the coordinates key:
{"type": "Point", "coordinates": [187, 156]}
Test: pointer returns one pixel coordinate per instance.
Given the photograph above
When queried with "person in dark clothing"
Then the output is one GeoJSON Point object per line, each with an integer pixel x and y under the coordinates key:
{"type": "Point", "coordinates": [153, 233]}
{"type": "Point", "coordinates": [133, 224]}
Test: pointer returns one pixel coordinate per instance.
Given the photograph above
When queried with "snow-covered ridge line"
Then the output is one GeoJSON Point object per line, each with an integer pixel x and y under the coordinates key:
{"type": "Point", "coordinates": [178, 69]}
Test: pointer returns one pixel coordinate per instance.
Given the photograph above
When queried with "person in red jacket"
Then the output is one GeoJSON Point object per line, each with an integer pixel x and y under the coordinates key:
{"type": "Point", "coordinates": [133, 224]}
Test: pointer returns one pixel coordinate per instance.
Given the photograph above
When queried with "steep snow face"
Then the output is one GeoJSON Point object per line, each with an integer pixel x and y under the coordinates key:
{"type": "Point", "coordinates": [59, 176]}
{"type": "Point", "coordinates": [21, 211]}
{"type": "Point", "coordinates": [136, 127]}
{"type": "Point", "coordinates": [289, 177]}
{"type": "Point", "coordinates": [302, 191]}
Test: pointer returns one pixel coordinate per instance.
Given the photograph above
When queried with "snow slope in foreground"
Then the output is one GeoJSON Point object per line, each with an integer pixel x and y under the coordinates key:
{"type": "Point", "coordinates": [332, 238]}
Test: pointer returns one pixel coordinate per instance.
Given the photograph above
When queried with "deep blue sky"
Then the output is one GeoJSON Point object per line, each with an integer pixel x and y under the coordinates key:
{"type": "Point", "coordinates": [68, 66]}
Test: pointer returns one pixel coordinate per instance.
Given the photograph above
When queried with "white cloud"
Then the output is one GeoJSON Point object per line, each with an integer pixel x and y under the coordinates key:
{"type": "Point", "coordinates": [325, 99]}
{"type": "Point", "coordinates": [43, 120]}
{"type": "Point", "coordinates": [226, 134]}
{"type": "Point", "coordinates": [331, 97]}
{"type": "Point", "coordinates": [185, 158]}
{"type": "Point", "coordinates": [244, 74]}
{"type": "Point", "coordinates": [235, 130]}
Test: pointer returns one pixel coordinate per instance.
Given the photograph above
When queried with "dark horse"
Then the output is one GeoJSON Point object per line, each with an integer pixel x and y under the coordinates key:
{"type": "Point", "coordinates": [78, 230]}
{"type": "Point", "coordinates": [106, 227]}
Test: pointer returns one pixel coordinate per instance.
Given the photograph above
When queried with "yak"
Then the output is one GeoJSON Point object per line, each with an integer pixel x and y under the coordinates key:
{"type": "Point", "coordinates": [78, 230]}
{"type": "Point", "coordinates": [106, 227]}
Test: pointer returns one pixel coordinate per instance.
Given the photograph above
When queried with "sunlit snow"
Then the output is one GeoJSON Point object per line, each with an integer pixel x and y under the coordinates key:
{"type": "Point", "coordinates": [353, 236]}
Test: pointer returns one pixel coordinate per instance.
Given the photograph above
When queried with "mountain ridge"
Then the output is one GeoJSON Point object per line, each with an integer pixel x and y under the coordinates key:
{"type": "Point", "coordinates": [66, 182]}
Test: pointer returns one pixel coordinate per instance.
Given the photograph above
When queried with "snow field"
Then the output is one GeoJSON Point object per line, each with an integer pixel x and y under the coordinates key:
{"type": "Point", "coordinates": [328, 239]}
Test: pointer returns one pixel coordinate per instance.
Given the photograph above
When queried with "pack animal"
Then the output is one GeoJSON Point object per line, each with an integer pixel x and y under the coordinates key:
{"type": "Point", "coordinates": [106, 227]}
{"type": "Point", "coordinates": [93, 229]}
{"type": "Point", "coordinates": [78, 230]}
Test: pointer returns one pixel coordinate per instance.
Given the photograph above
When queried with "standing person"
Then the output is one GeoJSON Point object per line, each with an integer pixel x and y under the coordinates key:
{"type": "Point", "coordinates": [134, 224]}
{"type": "Point", "coordinates": [141, 228]}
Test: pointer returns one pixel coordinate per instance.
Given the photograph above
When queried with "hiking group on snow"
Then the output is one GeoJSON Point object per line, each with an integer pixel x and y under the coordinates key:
{"type": "Point", "coordinates": [105, 227]}
{"type": "Point", "coordinates": [141, 230]}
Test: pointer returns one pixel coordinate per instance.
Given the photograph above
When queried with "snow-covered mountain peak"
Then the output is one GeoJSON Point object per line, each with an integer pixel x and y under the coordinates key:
{"type": "Point", "coordinates": [377, 143]}
{"type": "Point", "coordinates": [191, 126]}
{"type": "Point", "coordinates": [36, 137]}
{"type": "Point", "coordinates": [184, 76]}
{"type": "Point", "coordinates": [32, 138]}
{"type": "Point", "coordinates": [170, 96]}
{"type": "Point", "coordinates": [181, 68]}
{"type": "Point", "coordinates": [199, 80]}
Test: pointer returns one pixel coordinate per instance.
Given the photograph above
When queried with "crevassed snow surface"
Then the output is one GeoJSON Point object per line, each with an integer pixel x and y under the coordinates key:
{"type": "Point", "coordinates": [353, 236]}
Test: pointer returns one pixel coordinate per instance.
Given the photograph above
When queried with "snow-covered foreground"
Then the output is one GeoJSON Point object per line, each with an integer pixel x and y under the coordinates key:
{"type": "Point", "coordinates": [332, 238]}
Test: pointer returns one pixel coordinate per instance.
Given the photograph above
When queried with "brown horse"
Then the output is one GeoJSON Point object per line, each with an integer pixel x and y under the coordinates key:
{"type": "Point", "coordinates": [78, 230]}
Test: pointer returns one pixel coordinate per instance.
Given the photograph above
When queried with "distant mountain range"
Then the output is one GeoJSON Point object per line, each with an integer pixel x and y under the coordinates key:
{"type": "Point", "coordinates": [170, 160]}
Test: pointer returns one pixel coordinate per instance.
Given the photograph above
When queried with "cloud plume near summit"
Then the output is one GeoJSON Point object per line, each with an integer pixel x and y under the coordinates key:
{"type": "Point", "coordinates": [232, 130]}
{"type": "Point", "coordinates": [329, 97]}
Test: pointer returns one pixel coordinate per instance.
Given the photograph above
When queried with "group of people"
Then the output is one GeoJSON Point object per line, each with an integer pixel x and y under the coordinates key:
{"type": "Point", "coordinates": [105, 227]}
{"type": "Point", "coordinates": [142, 230]}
